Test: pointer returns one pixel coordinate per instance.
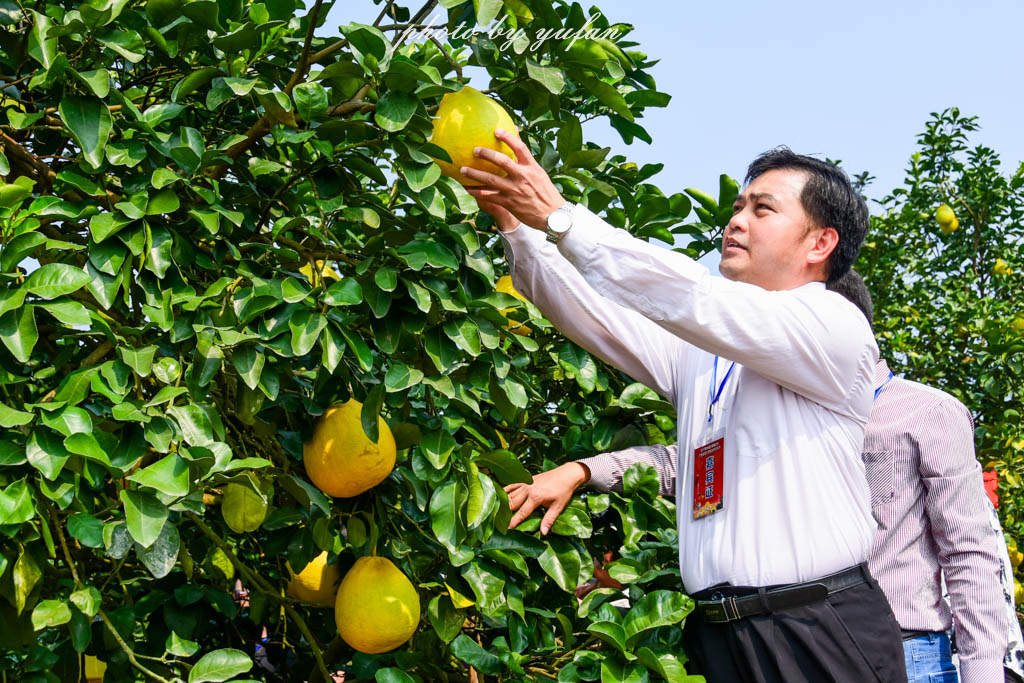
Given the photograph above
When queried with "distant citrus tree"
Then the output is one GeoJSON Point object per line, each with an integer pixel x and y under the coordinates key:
{"type": "Point", "coordinates": [219, 218]}
{"type": "Point", "coordinates": [945, 264]}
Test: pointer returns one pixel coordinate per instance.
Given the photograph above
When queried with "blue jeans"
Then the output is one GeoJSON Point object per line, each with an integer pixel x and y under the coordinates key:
{"type": "Point", "coordinates": [929, 659]}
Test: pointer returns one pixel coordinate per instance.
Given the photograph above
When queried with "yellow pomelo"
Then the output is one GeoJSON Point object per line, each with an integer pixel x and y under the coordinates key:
{"type": "Point", "coordinates": [1016, 557]}
{"type": "Point", "coordinates": [377, 608]}
{"type": "Point", "coordinates": [340, 459]}
{"type": "Point", "coordinates": [945, 215]}
{"type": "Point", "coordinates": [467, 119]}
{"type": "Point", "coordinates": [949, 228]}
{"type": "Point", "coordinates": [1001, 267]}
{"type": "Point", "coordinates": [1018, 323]}
{"type": "Point", "coordinates": [316, 583]}
{"type": "Point", "coordinates": [326, 272]}
{"type": "Point", "coordinates": [504, 285]}
{"type": "Point", "coordinates": [1018, 593]}
{"type": "Point", "coordinates": [94, 669]}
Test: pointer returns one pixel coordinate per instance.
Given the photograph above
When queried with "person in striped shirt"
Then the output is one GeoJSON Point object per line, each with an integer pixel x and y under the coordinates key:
{"type": "Point", "coordinates": [933, 519]}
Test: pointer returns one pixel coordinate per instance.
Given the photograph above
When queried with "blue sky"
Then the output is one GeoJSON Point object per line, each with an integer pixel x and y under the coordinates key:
{"type": "Point", "coordinates": [854, 82]}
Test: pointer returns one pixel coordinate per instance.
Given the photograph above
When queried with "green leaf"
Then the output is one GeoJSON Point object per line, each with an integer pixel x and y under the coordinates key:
{"type": "Point", "coordinates": [401, 376]}
{"type": "Point", "coordinates": [437, 446]}
{"type": "Point", "coordinates": [446, 620]}
{"type": "Point", "coordinates": [574, 521]}
{"type": "Point", "coordinates": [19, 333]}
{"type": "Point", "coordinates": [482, 500]}
{"type": "Point", "coordinates": [195, 424]}
{"type": "Point", "coordinates": [658, 608]}
{"type": "Point", "coordinates": [249, 362]}
{"type": "Point", "coordinates": [68, 312]}
{"type": "Point", "coordinates": [345, 292]}
{"type": "Point", "coordinates": [467, 650]}
{"type": "Point", "coordinates": [26, 573]}
{"type": "Point", "coordinates": [46, 451]}
{"type": "Point", "coordinates": [165, 201]}
{"type": "Point", "coordinates": [162, 555]}
{"type": "Point", "coordinates": [310, 100]}
{"type": "Point", "coordinates": [612, 634]}
{"type": "Point", "coordinates": [220, 665]}
{"type": "Point", "coordinates": [87, 599]}
{"type": "Point", "coordinates": [562, 563]}
{"type": "Point", "coordinates": [55, 279]}
{"type": "Point", "coordinates": [486, 11]}
{"type": "Point", "coordinates": [50, 613]}
{"type": "Point", "coordinates": [446, 506]}
{"type": "Point", "coordinates": [89, 123]}
{"type": "Point", "coordinates": [9, 417]}
{"type": "Point", "coordinates": [420, 176]}
{"type": "Point", "coordinates": [169, 476]}
{"type": "Point", "coordinates": [140, 360]}
{"type": "Point", "coordinates": [505, 466]}
{"type": "Point", "coordinates": [418, 253]}
{"type": "Point", "coordinates": [16, 505]}
{"type": "Point", "coordinates": [369, 415]}
{"type": "Point", "coordinates": [86, 529]}
{"type": "Point", "coordinates": [145, 516]}
{"type": "Point", "coordinates": [392, 675]}
{"type": "Point", "coordinates": [243, 508]}
{"type": "Point", "coordinates": [305, 327]}
{"type": "Point", "coordinates": [394, 110]}
{"type": "Point", "coordinates": [550, 77]}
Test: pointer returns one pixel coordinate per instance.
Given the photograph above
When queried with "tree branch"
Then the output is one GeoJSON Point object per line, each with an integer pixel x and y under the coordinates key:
{"type": "Point", "coordinates": [260, 584]}
{"type": "Point", "coordinates": [106, 620]}
{"type": "Point", "coordinates": [303, 65]}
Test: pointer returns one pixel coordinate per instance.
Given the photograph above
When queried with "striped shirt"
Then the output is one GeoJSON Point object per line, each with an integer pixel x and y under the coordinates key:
{"type": "Point", "coordinates": [929, 501]}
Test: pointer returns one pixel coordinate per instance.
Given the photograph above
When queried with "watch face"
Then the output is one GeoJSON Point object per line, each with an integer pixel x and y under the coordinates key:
{"type": "Point", "coordinates": [559, 221]}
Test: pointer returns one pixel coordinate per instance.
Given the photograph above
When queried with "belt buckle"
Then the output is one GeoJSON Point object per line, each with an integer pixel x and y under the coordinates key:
{"type": "Point", "coordinates": [720, 602]}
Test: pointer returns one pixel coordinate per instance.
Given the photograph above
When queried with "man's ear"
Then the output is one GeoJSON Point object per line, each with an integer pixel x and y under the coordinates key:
{"type": "Point", "coordinates": [825, 242]}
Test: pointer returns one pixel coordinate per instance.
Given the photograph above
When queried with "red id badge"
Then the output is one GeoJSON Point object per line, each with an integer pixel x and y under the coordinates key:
{"type": "Point", "coordinates": [707, 478]}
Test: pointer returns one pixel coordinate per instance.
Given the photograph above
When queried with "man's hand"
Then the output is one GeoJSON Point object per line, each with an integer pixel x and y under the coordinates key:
{"type": "Point", "coordinates": [552, 489]}
{"type": "Point", "coordinates": [526, 194]}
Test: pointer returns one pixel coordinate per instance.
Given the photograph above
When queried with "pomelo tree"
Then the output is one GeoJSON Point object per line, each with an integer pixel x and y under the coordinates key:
{"type": "Point", "coordinates": [220, 217]}
{"type": "Point", "coordinates": [948, 305]}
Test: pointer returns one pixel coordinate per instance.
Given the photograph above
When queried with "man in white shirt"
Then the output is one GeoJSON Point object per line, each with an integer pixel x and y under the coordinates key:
{"type": "Point", "coordinates": [772, 377]}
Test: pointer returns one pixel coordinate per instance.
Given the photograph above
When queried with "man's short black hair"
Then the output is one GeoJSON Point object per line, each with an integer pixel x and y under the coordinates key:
{"type": "Point", "coordinates": [852, 286]}
{"type": "Point", "coordinates": [828, 198]}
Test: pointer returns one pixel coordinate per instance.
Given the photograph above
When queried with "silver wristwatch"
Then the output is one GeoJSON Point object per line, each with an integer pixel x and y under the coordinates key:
{"type": "Point", "coordinates": [559, 222]}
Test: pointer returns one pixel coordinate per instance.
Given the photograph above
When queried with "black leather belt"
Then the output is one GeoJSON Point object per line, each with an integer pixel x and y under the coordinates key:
{"type": "Point", "coordinates": [910, 635]}
{"type": "Point", "coordinates": [721, 609]}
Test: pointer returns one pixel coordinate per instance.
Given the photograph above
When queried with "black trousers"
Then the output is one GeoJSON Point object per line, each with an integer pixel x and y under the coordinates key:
{"type": "Point", "coordinates": [850, 637]}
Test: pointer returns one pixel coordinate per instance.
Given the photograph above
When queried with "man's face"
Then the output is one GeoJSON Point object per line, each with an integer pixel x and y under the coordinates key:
{"type": "Point", "coordinates": [767, 241]}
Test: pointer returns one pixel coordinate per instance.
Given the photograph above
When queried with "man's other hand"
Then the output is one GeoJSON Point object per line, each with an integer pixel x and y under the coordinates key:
{"type": "Point", "coordinates": [526, 194]}
{"type": "Point", "coordinates": [552, 489]}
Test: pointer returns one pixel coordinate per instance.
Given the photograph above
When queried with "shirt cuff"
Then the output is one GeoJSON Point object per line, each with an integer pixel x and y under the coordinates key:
{"type": "Point", "coordinates": [586, 231]}
{"type": "Point", "coordinates": [602, 472]}
{"type": "Point", "coordinates": [981, 671]}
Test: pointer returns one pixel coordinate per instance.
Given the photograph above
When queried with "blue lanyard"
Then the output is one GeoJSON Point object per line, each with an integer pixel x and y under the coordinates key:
{"type": "Point", "coordinates": [879, 389]}
{"type": "Point", "coordinates": [714, 379]}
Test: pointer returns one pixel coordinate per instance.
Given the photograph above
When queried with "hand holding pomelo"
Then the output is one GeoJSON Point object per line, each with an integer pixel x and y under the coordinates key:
{"type": "Point", "coordinates": [465, 120]}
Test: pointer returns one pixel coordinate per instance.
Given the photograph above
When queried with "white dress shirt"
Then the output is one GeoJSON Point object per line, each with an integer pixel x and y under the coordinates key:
{"type": "Point", "coordinates": [796, 501]}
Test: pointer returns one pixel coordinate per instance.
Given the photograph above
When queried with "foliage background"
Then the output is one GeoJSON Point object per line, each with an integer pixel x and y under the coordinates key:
{"type": "Point", "coordinates": [944, 312]}
{"type": "Point", "coordinates": [179, 172]}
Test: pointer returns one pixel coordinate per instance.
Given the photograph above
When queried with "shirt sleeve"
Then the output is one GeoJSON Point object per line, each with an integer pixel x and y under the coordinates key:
{"type": "Point", "coordinates": [809, 340]}
{"type": "Point", "coordinates": [957, 509]}
{"type": "Point", "coordinates": [613, 333]}
{"type": "Point", "coordinates": [607, 469]}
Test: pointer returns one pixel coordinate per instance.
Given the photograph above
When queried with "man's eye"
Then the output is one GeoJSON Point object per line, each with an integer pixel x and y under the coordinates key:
{"type": "Point", "coordinates": [736, 208]}
{"type": "Point", "coordinates": [763, 206]}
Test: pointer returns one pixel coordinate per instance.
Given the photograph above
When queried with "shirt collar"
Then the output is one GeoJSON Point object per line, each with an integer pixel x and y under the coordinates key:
{"type": "Point", "coordinates": [881, 372]}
